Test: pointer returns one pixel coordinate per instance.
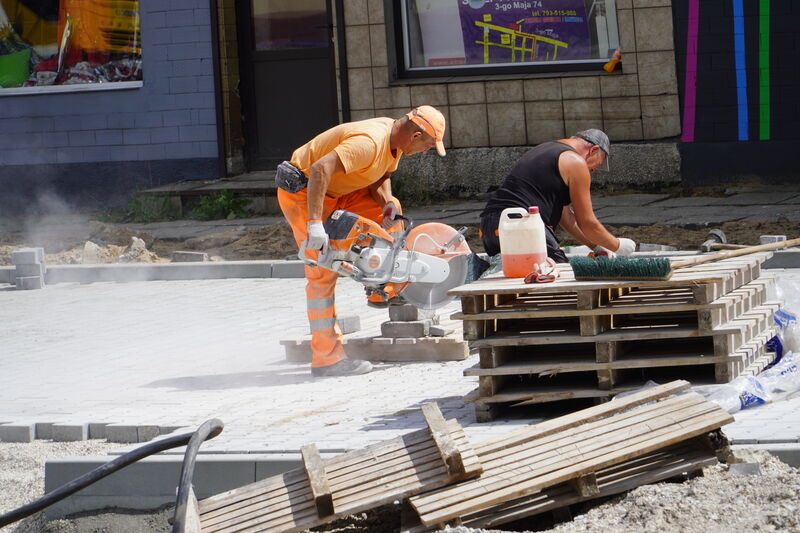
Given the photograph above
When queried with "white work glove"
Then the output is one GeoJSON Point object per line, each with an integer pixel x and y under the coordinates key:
{"type": "Point", "coordinates": [317, 238]}
{"type": "Point", "coordinates": [602, 251]}
{"type": "Point", "coordinates": [390, 211]}
{"type": "Point", "coordinates": [626, 247]}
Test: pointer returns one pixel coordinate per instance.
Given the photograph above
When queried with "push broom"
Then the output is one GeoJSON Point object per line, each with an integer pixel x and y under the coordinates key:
{"type": "Point", "coordinates": [655, 268]}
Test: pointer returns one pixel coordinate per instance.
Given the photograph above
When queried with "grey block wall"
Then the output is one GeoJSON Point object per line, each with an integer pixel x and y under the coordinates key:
{"type": "Point", "coordinates": [89, 147]}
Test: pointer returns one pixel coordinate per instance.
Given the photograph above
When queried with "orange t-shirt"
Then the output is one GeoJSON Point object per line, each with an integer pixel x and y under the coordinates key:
{"type": "Point", "coordinates": [363, 148]}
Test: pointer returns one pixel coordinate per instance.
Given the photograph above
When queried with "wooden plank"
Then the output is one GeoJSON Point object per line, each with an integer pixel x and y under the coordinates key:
{"type": "Point", "coordinates": [317, 479]}
{"type": "Point", "coordinates": [448, 451]}
{"type": "Point", "coordinates": [192, 524]}
{"type": "Point", "coordinates": [662, 332]}
{"type": "Point", "coordinates": [584, 416]}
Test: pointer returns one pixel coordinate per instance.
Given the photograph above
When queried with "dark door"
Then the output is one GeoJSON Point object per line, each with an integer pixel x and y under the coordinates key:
{"type": "Point", "coordinates": [287, 74]}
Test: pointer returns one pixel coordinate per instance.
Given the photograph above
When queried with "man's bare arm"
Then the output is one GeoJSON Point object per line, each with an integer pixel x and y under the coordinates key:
{"type": "Point", "coordinates": [570, 225]}
{"type": "Point", "coordinates": [574, 169]}
{"type": "Point", "coordinates": [321, 173]}
{"type": "Point", "coordinates": [381, 190]}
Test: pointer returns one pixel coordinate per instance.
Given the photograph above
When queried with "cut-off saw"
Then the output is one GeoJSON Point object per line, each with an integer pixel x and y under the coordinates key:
{"type": "Point", "coordinates": [422, 262]}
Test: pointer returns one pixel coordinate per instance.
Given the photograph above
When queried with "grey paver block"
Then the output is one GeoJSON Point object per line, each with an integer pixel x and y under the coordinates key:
{"type": "Point", "coordinates": [146, 484]}
{"type": "Point", "coordinates": [783, 259]}
{"type": "Point", "coordinates": [97, 430]}
{"type": "Point", "coordinates": [7, 274]}
{"type": "Point", "coordinates": [43, 430]}
{"type": "Point", "coordinates": [403, 313]}
{"type": "Point", "coordinates": [26, 256]}
{"type": "Point", "coordinates": [188, 257]}
{"type": "Point", "coordinates": [288, 269]}
{"type": "Point", "coordinates": [349, 324]}
{"type": "Point", "coordinates": [147, 433]}
{"type": "Point", "coordinates": [398, 330]}
{"type": "Point", "coordinates": [745, 469]}
{"type": "Point", "coordinates": [627, 200]}
{"type": "Point", "coordinates": [27, 270]}
{"type": "Point", "coordinates": [637, 216]}
{"type": "Point", "coordinates": [766, 239]}
{"type": "Point", "coordinates": [122, 433]}
{"type": "Point", "coordinates": [439, 331]}
{"type": "Point", "coordinates": [125, 273]}
{"type": "Point", "coordinates": [70, 432]}
{"type": "Point", "coordinates": [29, 283]}
{"type": "Point", "coordinates": [17, 432]}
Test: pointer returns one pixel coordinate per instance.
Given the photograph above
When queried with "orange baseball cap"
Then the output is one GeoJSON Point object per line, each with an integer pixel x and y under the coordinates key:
{"type": "Point", "coordinates": [432, 121]}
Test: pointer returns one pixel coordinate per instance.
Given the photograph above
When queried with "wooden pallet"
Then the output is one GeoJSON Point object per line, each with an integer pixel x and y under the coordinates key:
{"type": "Point", "coordinates": [326, 489]}
{"type": "Point", "coordinates": [679, 460]}
{"type": "Point", "coordinates": [570, 339]}
{"type": "Point", "coordinates": [573, 449]}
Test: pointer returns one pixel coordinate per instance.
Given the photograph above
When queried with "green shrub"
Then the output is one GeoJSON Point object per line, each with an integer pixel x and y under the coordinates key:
{"type": "Point", "coordinates": [223, 204]}
{"type": "Point", "coordinates": [143, 209]}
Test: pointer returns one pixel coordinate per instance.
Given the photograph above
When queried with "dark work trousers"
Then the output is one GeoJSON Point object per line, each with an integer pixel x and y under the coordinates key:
{"type": "Point", "coordinates": [491, 240]}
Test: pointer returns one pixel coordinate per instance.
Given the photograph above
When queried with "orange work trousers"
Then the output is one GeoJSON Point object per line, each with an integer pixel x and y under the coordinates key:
{"type": "Point", "coordinates": [326, 337]}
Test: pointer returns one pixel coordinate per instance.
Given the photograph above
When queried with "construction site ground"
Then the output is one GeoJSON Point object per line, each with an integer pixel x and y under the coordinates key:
{"type": "Point", "coordinates": [171, 354]}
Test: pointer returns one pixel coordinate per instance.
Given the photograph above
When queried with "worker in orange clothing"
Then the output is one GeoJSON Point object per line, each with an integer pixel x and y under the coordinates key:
{"type": "Point", "coordinates": [347, 167]}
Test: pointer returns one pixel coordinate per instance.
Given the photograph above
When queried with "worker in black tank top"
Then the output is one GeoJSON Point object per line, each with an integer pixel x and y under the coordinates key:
{"type": "Point", "coordinates": [556, 177]}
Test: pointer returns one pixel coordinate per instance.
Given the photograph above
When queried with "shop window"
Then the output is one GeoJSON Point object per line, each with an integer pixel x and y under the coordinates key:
{"type": "Point", "coordinates": [479, 37]}
{"type": "Point", "coordinates": [59, 44]}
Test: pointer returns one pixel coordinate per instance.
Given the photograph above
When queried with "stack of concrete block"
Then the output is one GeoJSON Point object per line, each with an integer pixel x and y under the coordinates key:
{"type": "Point", "coordinates": [407, 321]}
{"type": "Point", "coordinates": [29, 268]}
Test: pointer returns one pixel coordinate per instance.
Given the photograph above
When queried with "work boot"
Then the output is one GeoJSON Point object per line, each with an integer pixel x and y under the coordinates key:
{"type": "Point", "coordinates": [345, 367]}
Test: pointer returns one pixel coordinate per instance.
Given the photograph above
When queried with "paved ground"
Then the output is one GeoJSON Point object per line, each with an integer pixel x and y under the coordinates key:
{"type": "Point", "coordinates": [177, 353]}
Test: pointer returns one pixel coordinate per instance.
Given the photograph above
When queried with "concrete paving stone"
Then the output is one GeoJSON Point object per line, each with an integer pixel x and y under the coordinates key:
{"type": "Point", "coordinates": [396, 330]}
{"type": "Point", "coordinates": [792, 200]}
{"type": "Point", "coordinates": [69, 432]}
{"type": "Point", "coordinates": [188, 257]}
{"type": "Point", "coordinates": [43, 430]}
{"type": "Point", "coordinates": [288, 269]}
{"type": "Point", "coordinates": [740, 199]}
{"type": "Point", "coordinates": [17, 432]}
{"type": "Point", "coordinates": [29, 283]}
{"type": "Point", "coordinates": [627, 200]}
{"type": "Point", "coordinates": [7, 274]}
{"type": "Point", "coordinates": [29, 270]}
{"type": "Point", "coordinates": [122, 433]}
{"type": "Point", "coordinates": [126, 273]}
{"type": "Point", "coordinates": [148, 483]}
{"type": "Point", "coordinates": [403, 313]}
{"type": "Point", "coordinates": [637, 216]}
{"type": "Point", "coordinates": [349, 324]}
{"type": "Point", "coordinates": [26, 256]}
{"type": "Point", "coordinates": [146, 433]}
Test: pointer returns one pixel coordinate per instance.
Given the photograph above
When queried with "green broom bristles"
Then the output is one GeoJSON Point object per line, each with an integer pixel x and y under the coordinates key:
{"type": "Point", "coordinates": [620, 268]}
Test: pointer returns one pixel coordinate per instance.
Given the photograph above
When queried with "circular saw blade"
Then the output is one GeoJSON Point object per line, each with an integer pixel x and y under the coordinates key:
{"type": "Point", "coordinates": [434, 295]}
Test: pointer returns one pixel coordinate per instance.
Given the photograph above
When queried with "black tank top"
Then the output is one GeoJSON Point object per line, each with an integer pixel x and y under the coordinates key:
{"type": "Point", "coordinates": [534, 180]}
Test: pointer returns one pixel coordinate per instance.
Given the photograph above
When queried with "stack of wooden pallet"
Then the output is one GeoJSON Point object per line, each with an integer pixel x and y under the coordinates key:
{"type": "Point", "coordinates": [594, 339]}
{"type": "Point", "coordinates": [645, 437]}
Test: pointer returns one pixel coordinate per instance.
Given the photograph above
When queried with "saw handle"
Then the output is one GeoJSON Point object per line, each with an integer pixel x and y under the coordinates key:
{"type": "Point", "coordinates": [735, 253]}
{"type": "Point", "coordinates": [301, 253]}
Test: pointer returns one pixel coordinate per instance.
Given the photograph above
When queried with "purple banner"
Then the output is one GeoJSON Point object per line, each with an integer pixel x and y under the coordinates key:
{"type": "Point", "coordinates": [516, 32]}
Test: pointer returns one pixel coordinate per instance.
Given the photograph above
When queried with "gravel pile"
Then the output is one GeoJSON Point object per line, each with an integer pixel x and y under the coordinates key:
{"type": "Point", "coordinates": [718, 501]}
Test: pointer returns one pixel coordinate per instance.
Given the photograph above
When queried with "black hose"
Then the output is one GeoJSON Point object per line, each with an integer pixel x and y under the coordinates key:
{"type": "Point", "coordinates": [209, 429]}
{"type": "Point", "coordinates": [100, 472]}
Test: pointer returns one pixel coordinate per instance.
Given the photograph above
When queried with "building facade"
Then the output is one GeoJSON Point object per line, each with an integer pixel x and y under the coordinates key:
{"type": "Point", "coordinates": [704, 91]}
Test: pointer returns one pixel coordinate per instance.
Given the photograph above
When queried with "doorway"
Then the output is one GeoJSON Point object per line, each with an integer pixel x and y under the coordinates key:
{"type": "Point", "coordinates": [287, 74]}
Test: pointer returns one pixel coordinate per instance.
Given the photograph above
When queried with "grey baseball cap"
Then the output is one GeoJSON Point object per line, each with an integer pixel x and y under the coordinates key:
{"type": "Point", "coordinates": [597, 138]}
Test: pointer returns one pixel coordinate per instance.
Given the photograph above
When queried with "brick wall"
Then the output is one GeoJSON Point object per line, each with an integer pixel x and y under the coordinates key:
{"type": "Point", "coordinates": [637, 103]}
{"type": "Point", "coordinates": [157, 133]}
